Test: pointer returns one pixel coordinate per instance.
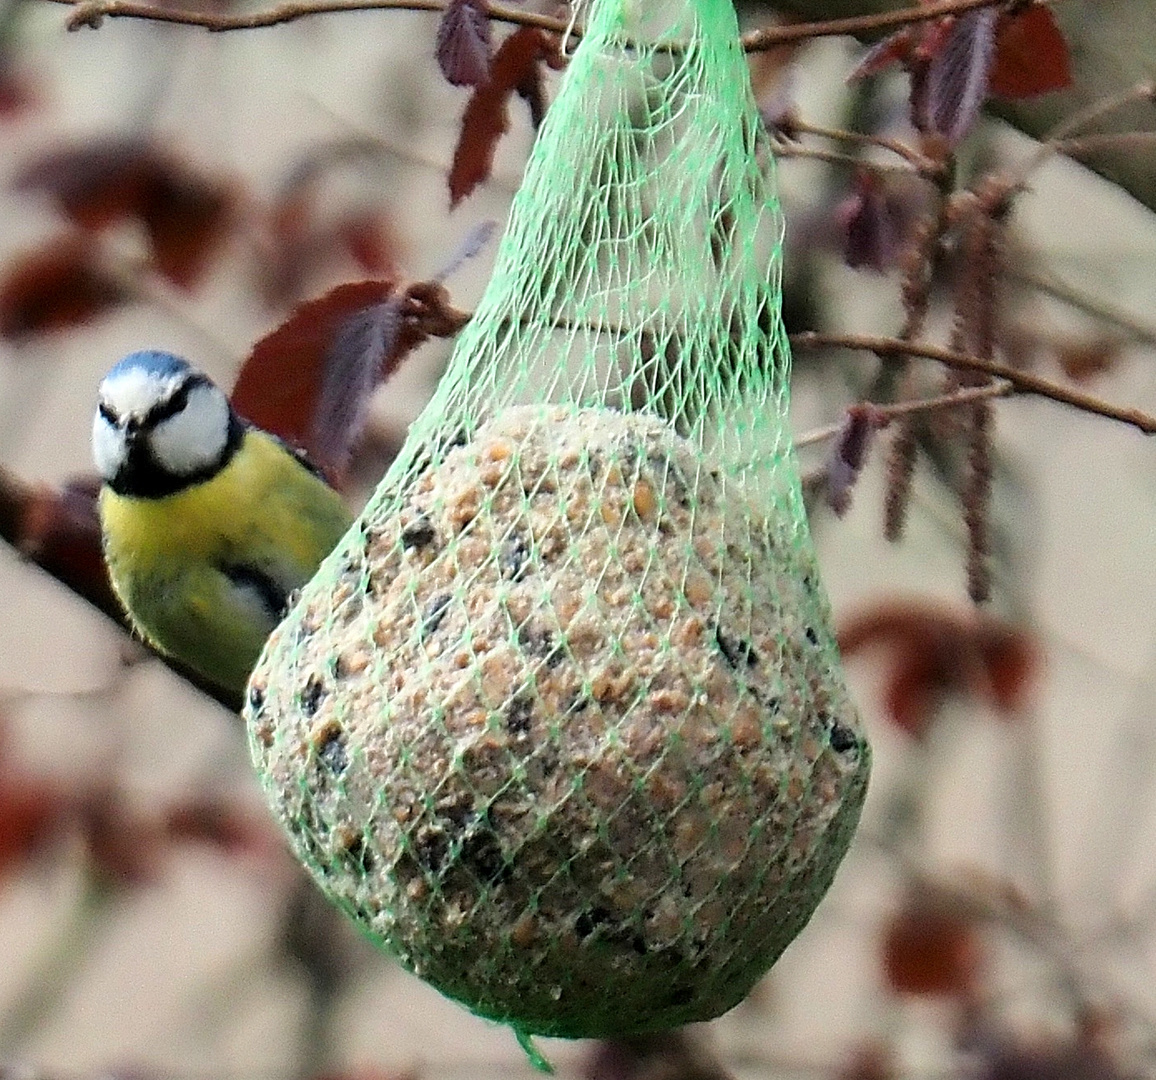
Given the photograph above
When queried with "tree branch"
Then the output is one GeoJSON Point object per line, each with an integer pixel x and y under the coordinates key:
{"type": "Point", "coordinates": [920, 162]}
{"type": "Point", "coordinates": [58, 530]}
{"type": "Point", "coordinates": [1135, 328]}
{"type": "Point", "coordinates": [837, 157]}
{"type": "Point", "coordinates": [858, 25]}
{"type": "Point", "coordinates": [91, 13]}
{"type": "Point", "coordinates": [1021, 381]}
{"type": "Point", "coordinates": [882, 415]}
{"type": "Point", "coordinates": [1111, 45]}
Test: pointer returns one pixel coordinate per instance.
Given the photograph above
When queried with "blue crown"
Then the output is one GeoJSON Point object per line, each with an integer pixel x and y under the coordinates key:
{"type": "Point", "coordinates": [153, 362]}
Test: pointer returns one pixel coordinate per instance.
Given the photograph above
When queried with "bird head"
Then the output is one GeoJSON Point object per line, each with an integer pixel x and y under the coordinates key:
{"type": "Point", "coordinates": [160, 426]}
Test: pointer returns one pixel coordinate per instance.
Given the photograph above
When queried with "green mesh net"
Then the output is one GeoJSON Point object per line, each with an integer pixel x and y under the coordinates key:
{"type": "Point", "coordinates": [561, 722]}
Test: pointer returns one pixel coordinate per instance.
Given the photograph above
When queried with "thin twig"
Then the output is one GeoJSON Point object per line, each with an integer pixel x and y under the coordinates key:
{"type": "Point", "coordinates": [1022, 381]}
{"type": "Point", "coordinates": [1117, 140]}
{"type": "Point", "coordinates": [857, 25]}
{"type": "Point", "coordinates": [91, 12]}
{"type": "Point", "coordinates": [882, 415]}
{"type": "Point", "coordinates": [920, 162]}
{"type": "Point", "coordinates": [836, 157]}
{"type": "Point", "coordinates": [1063, 132]}
{"type": "Point", "coordinates": [1090, 305]}
{"type": "Point", "coordinates": [1144, 90]}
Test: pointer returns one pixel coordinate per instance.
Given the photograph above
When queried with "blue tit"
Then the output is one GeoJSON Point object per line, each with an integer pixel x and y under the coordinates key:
{"type": "Point", "coordinates": [209, 523]}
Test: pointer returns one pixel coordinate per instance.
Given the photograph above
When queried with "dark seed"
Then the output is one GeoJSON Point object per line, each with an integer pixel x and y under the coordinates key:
{"type": "Point", "coordinates": [538, 641]}
{"type": "Point", "coordinates": [518, 714]}
{"type": "Point", "coordinates": [430, 851]}
{"type": "Point", "coordinates": [311, 695]}
{"type": "Point", "coordinates": [588, 921]}
{"type": "Point", "coordinates": [512, 561]}
{"type": "Point", "coordinates": [256, 699]}
{"type": "Point", "coordinates": [482, 855]}
{"type": "Point", "coordinates": [434, 612]}
{"type": "Point", "coordinates": [419, 534]}
{"type": "Point", "coordinates": [812, 637]}
{"type": "Point", "coordinates": [333, 754]}
{"type": "Point", "coordinates": [735, 651]}
{"type": "Point", "coordinates": [359, 856]}
{"type": "Point", "coordinates": [843, 739]}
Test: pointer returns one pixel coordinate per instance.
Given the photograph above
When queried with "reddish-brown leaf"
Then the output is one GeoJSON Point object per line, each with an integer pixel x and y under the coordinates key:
{"type": "Point", "coordinates": [930, 653]}
{"type": "Point", "coordinates": [875, 217]}
{"type": "Point", "coordinates": [31, 812]}
{"type": "Point", "coordinates": [892, 51]}
{"type": "Point", "coordinates": [1031, 55]}
{"type": "Point", "coordinates": [17, 90]}
{"type": "Point", "coordinates": [930, 949]}
{"type": "Point", "coordinates": [280, 385]}
{"type": "Point", "coordinates": [914, 691]}
{"type": "Point", "coordinates": [187, 218]}
{"type": "Point", "coordinates": [1011, 665]}
{"type": "Point", "coordinates": [515, 68]}
{"type": "Point", "coordinates": [219, 825]}
{"type": "Point", "coordinates": [96, 183]}
{"type": "Point", "coordinates": [101, 182]}
{"type": "Point", "coordinates": [1082, 361]}
{"type": "Point", "coordinates": [371, 240]}
{"type": "Point", "coordinates": [123, 847]}
{"type": "Point", "coordinates": [60, 286]}
{"type": "Point", "coordinates": [60, 531]}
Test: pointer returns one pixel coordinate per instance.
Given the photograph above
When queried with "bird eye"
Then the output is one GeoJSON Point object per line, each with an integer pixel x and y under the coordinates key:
{"type": "Point", "coordinates": [106, 413]}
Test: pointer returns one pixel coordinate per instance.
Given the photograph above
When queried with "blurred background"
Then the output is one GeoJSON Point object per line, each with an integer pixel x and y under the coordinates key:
{"type": "Point", "coordinates": [996, 916]}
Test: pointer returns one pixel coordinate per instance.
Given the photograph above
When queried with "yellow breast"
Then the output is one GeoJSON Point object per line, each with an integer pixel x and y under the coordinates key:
{"type": "Point", "coordinates": [170, 558]}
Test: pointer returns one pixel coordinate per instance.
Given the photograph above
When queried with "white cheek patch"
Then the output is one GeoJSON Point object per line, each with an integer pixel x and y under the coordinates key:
{"type": "Point", "coordinates": [108, 448]}
{"type": "Point", "coordinates": [194, 439]}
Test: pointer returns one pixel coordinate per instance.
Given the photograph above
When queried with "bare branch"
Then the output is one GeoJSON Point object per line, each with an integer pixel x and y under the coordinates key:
{"type": "Point", "coordinates": [920, 162]}
{"type": "Point", "coordinates": [1066, 293]}
{"type": "Point", "coordinates": [1022, 382]}
{"type": "Point", "coordinates": [882, 415]}
{"type": "Point", "coordinates": [92, 12]}
{"type": "Point", "coordinates": [67, 548]}
{"type": "Point", "coordinates": [836, 157]}
{"type": "Point", "coordinates": [769, 37]}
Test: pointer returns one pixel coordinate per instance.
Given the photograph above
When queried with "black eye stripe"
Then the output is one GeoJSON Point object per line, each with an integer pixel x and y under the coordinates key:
{"type": "Point", "coordinates": [107, 413]}
{"type": "Point", "coordinates": [174, 404]}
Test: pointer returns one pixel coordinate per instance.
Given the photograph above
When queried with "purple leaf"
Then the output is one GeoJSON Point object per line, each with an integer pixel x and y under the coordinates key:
{"type": "Point", "coordinates": [848, 453]}
{"type": "Point", "coordinates": [957, 78]}
{"type": "Point", "coordinates": [873, 223]}
{"type": "Point", "coordinates": [463, 43]}
{"type": "Point", "coordinates": [352, 368]}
